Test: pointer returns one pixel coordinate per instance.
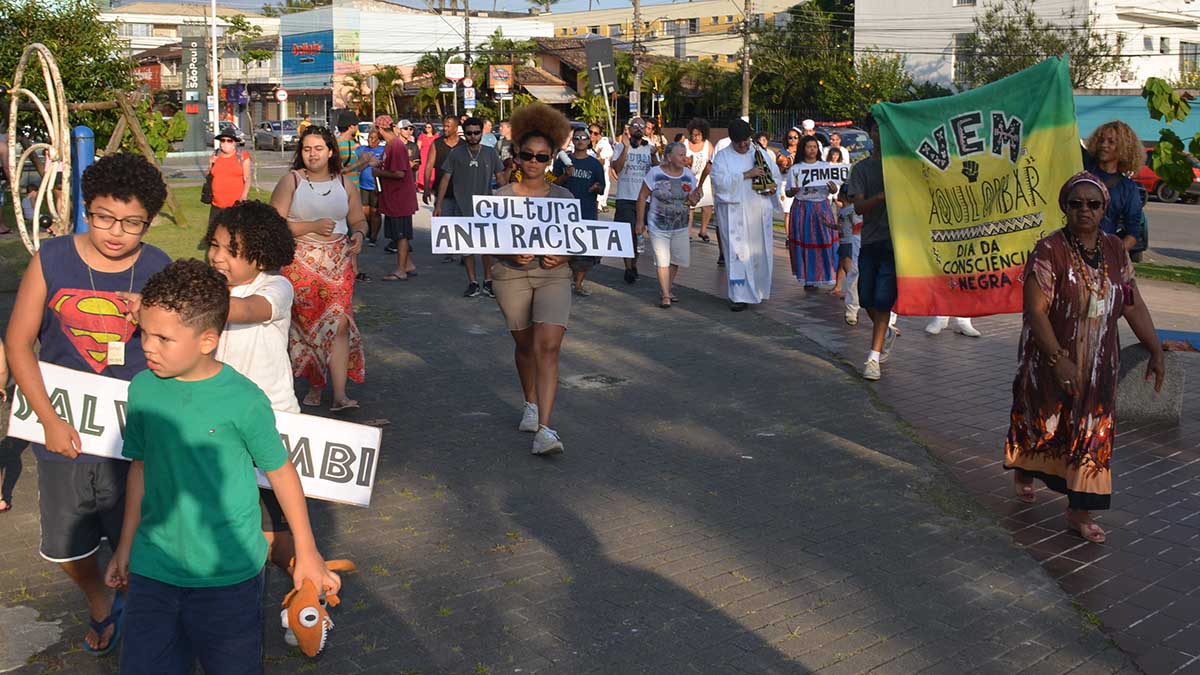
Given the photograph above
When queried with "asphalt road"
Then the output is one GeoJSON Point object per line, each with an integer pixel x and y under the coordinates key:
{"type": "Point", "coordinates": [1174, 232]}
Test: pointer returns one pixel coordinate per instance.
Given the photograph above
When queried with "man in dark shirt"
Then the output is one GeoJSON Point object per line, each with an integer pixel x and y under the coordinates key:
{"type": "Point", "coordinates": [397, 194]}
{"type": "Point", "coordinates": [469, 170]}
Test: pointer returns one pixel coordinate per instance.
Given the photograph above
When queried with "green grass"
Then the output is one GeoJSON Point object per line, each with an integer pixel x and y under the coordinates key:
{"type": "Point", "coordinates": [1176, 273]}
{"type": "Point", "coordinates": [165, 233]}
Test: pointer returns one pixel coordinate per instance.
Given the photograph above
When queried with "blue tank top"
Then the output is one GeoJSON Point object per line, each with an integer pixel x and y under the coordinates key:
{"type": "Point", "coordinates": [79, 321]}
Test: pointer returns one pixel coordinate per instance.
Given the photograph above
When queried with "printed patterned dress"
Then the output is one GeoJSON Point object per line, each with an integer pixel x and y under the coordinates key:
{"type": "Point", "coordinates": [1062, 440]}
{"type": "Point", "coordinates": [812, 239]}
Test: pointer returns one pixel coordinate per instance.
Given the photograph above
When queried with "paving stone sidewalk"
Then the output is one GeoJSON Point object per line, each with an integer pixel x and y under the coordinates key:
{"type": "Point", "coordinates": [956, 392]}
{"type": "Point", "coordinates": [730, 500]}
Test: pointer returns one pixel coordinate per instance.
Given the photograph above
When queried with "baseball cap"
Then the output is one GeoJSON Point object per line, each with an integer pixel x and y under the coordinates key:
{"type": "Point", "coordinates": [808, 125]}
{"type": "Point", "coordinates": [403, 124]}
{"type": "Point", "coordinates": [383, 122]}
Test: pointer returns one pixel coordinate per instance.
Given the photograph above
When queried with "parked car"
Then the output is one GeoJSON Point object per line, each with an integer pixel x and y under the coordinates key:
{"type": "Point", "coordinates": [231, 127]}
{"type": "Point", "coordinates": [1165, 193]}
{"type": "Point", "coordinates": [275, 135]}
{"type": "Point", "coordinates": [856, 140]}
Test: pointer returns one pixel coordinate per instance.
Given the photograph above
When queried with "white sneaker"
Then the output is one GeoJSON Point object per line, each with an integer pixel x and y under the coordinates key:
{"type": "Point", "coordinates": [871, 370]}
{"type": "Point", "coordinates": [936, 325]}
{"type": "Point", "coordinates": [547, 442]}
{"type": "Point", "coordinates": [529, 418]}
{"type": "Point", "coordinates": [889, 341]}
{"type": "Point", "coordinates": [964, 327]}
{"type": "Point", "coordinates": [851, 316]}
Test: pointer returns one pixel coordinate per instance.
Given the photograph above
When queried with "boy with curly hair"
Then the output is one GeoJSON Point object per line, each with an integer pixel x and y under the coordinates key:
{"type": "Point", "coordinates": [74, 301]}
{"type": "Point", "coordinates": [193, 554]}
{"type": "Point", "coordinates": [248, 244]}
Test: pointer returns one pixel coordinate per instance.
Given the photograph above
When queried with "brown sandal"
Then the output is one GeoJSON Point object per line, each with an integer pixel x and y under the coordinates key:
{"type": "Point", "coordinates": [1025, 492]}
{"type": "Point", "coordinates": [1088, 529]}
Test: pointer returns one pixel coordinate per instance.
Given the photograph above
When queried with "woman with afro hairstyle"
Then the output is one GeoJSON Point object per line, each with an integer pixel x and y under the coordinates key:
{"type": "Point", "coordinates": [248, 244]}
{"type": "Point", "coordinates": [326, 218]}
{"type": "Point", "coordinates": [534, 291]}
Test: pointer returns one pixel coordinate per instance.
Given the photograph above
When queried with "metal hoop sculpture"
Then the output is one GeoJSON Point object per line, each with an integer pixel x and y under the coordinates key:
{"type": "Point", "coordinates": [58, 150]}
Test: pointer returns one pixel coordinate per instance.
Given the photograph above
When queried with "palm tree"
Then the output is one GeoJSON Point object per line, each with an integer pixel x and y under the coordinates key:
{"type": "Point", "coordinates": [389, 78]}
{"type": "Point", "coordinates": [544, 5]}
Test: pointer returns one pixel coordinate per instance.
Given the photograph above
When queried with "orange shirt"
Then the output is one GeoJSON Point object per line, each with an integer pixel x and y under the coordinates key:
{"type": "Point", "coordinates": [228, 179]}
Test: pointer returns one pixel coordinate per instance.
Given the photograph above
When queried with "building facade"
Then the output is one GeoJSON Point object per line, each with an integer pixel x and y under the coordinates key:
{"type": "Point", "coordinates": [321, 47]}
{"type": "Point", "coordinates": [703, 30]}
{"type": "Point", "coordinates": [1162, 37]}
{"type": "Point", "coordinates": [146, 25]}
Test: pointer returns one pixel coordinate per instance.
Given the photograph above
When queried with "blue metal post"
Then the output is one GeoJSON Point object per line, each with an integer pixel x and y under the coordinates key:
{"type": "Point", "coordinates": [83, 153]}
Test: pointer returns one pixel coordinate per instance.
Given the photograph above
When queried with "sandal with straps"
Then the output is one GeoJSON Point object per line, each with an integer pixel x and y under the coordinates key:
{"type": "Point", "coordinates": [114, 619]}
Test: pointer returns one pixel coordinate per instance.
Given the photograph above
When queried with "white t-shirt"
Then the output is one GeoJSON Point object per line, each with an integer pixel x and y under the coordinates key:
{"type": "Point", "coordinates": [637, 165]}
{"type": "Point", "coordinates": [260, 350]}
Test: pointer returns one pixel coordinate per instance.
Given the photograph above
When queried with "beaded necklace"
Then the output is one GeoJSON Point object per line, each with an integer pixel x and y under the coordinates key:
{"type": "Point", "coordinates": [1093, 274]}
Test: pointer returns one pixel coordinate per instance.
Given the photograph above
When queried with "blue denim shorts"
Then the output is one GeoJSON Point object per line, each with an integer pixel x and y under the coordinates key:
{"type": "Point", "coordinates": [877, 276]}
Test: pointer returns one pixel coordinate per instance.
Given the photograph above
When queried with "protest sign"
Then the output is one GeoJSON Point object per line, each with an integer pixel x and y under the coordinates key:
{"type": "Point", "coordinates": [815, 178]}
{"type": "Point", "coordinates": [972, 184]}
{"type": "Point", "coordinates": [530, 225]}
{"type": "Point", "coordinates": [336, 460]}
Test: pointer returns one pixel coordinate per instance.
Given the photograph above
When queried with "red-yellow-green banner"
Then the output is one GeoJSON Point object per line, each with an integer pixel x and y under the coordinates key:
{"type": "Point", "coordinates": [972, 184]}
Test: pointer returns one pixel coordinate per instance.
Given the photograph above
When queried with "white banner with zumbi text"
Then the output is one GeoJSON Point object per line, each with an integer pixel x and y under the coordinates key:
{"type": "Point", "coordinates": [336, 460]}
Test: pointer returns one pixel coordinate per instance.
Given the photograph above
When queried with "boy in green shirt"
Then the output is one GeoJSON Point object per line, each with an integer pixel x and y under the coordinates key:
{"type": "Point", "coordinates": [192, 550]}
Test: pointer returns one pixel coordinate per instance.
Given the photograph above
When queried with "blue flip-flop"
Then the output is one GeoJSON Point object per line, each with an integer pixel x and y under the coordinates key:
{"type": "Point", "coordinates": [115, 618]}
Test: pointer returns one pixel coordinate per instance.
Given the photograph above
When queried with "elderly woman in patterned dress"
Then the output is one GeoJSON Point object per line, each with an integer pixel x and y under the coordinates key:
{"type": "Point", "coordinates": [1078, 283]}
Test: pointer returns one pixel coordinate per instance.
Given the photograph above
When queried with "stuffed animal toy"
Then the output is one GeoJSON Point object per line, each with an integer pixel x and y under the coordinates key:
{"type": "Point", "coordinates": [304, 616]}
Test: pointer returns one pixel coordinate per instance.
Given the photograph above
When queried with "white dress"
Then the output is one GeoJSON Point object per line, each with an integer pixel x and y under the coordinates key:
{"type": "Point", "coordinates": [699, 160]}
{"type": "Point", "coordinates": [744, 217]}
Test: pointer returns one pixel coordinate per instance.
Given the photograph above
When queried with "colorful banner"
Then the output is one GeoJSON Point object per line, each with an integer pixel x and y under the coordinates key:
{"type": "Point", "coordinates": [972, 184]}
{"type": "Point", "coordinates": [336, 460]}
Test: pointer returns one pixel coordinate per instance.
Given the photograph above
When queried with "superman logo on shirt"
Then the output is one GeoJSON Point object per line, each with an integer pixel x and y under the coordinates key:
{"type": "Point", "coordinates": [90, 320]}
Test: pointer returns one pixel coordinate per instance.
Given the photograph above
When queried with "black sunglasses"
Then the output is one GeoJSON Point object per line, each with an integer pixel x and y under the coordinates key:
{"type": "Point", "coordinates": [581, 138]}
{"type": "Point", "coordinates": [1092, 204]}
{"type": "Point", "coordinates": [472, 133]}
{"type": "Point", "coordinates": [540, 157]}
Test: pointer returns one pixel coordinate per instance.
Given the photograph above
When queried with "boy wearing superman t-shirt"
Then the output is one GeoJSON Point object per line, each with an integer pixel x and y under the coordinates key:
{"type": "Point", "coordinates": [74, 303]}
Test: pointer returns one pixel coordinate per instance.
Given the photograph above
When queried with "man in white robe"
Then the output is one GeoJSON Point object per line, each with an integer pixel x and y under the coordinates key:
{"type": "Point", "coordinates": [744, 218]}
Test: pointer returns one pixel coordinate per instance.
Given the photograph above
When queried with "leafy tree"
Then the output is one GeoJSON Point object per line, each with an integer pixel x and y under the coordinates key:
{"type": "Point", "coordinates": [161, 132]}
{"type": "Point", "coordinates": [292, 6]}
{"type": "Point", "coordinates": [1011, 36]}
{"type": "Point", "coordinates": [1168, 159]}
{"type": "Point", "coordinates": [867, 80]}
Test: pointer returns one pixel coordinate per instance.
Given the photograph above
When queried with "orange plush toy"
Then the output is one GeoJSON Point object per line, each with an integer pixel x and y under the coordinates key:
{"type": "Point", "coordinates": [304, 616]}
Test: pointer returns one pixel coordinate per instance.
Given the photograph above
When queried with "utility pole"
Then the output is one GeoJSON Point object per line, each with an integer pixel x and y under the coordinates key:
{"type": "Point", "coordinates": [635, 98]}
{"type": "Point", "coordinates": [746, 58]}
{"type": "Point", "coordinates": [467, 36]}
{"type": "Point", "coordinates": [214, 73]}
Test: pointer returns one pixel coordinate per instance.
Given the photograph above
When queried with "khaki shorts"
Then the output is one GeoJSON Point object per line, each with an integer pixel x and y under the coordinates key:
{"type": "Point", "coordinates": [532, 296]}
{"type": "Point", "coordinates": [671, 247]}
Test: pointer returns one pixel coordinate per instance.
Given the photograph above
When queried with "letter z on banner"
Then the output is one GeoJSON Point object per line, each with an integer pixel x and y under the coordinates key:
{"type": "Point", "coordinates": [336, 460]}
{"type": "Point", "coordinates": [506, 225]}
{"type": "Point", "coordinates": [972, 184]}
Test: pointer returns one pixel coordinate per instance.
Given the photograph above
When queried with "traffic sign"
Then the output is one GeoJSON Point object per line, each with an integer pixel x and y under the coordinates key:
{"type": "Point", "coordinates": [372, 83]}
{"type": "Point", "coordinates": [281, 95]}
{"type": "Point", "coordinates": [455, 71]}
{"type": "Point", "coordinates": [446, 87]}
{"type": "Point", "coordinates": [468, 82]}
{"type": "Point", "coordinates": [469, 98]}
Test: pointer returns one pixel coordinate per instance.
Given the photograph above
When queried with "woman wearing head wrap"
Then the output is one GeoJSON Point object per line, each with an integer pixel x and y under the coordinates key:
{"type": "Point", "coordinates": [1078, 282]}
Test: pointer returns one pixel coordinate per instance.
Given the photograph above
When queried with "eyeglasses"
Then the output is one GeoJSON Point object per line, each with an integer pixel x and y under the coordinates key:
{"type": "Point", "coordinates": [1092, 204]}
{"type": "Point", "coordinates": [581, 138]}
{"type": "Point", "coordinates": [103, 221]}
{"type": "Point", "coordinates": [594, 133]}
{"type": "Point", "coordinates": [540, 158]}
{"type": "Point", "coordinates": [793, 138]}
{"type": "Point", "coordinates": [227, 140]}
{"type": "Point", "coordinates": [472, 133]}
